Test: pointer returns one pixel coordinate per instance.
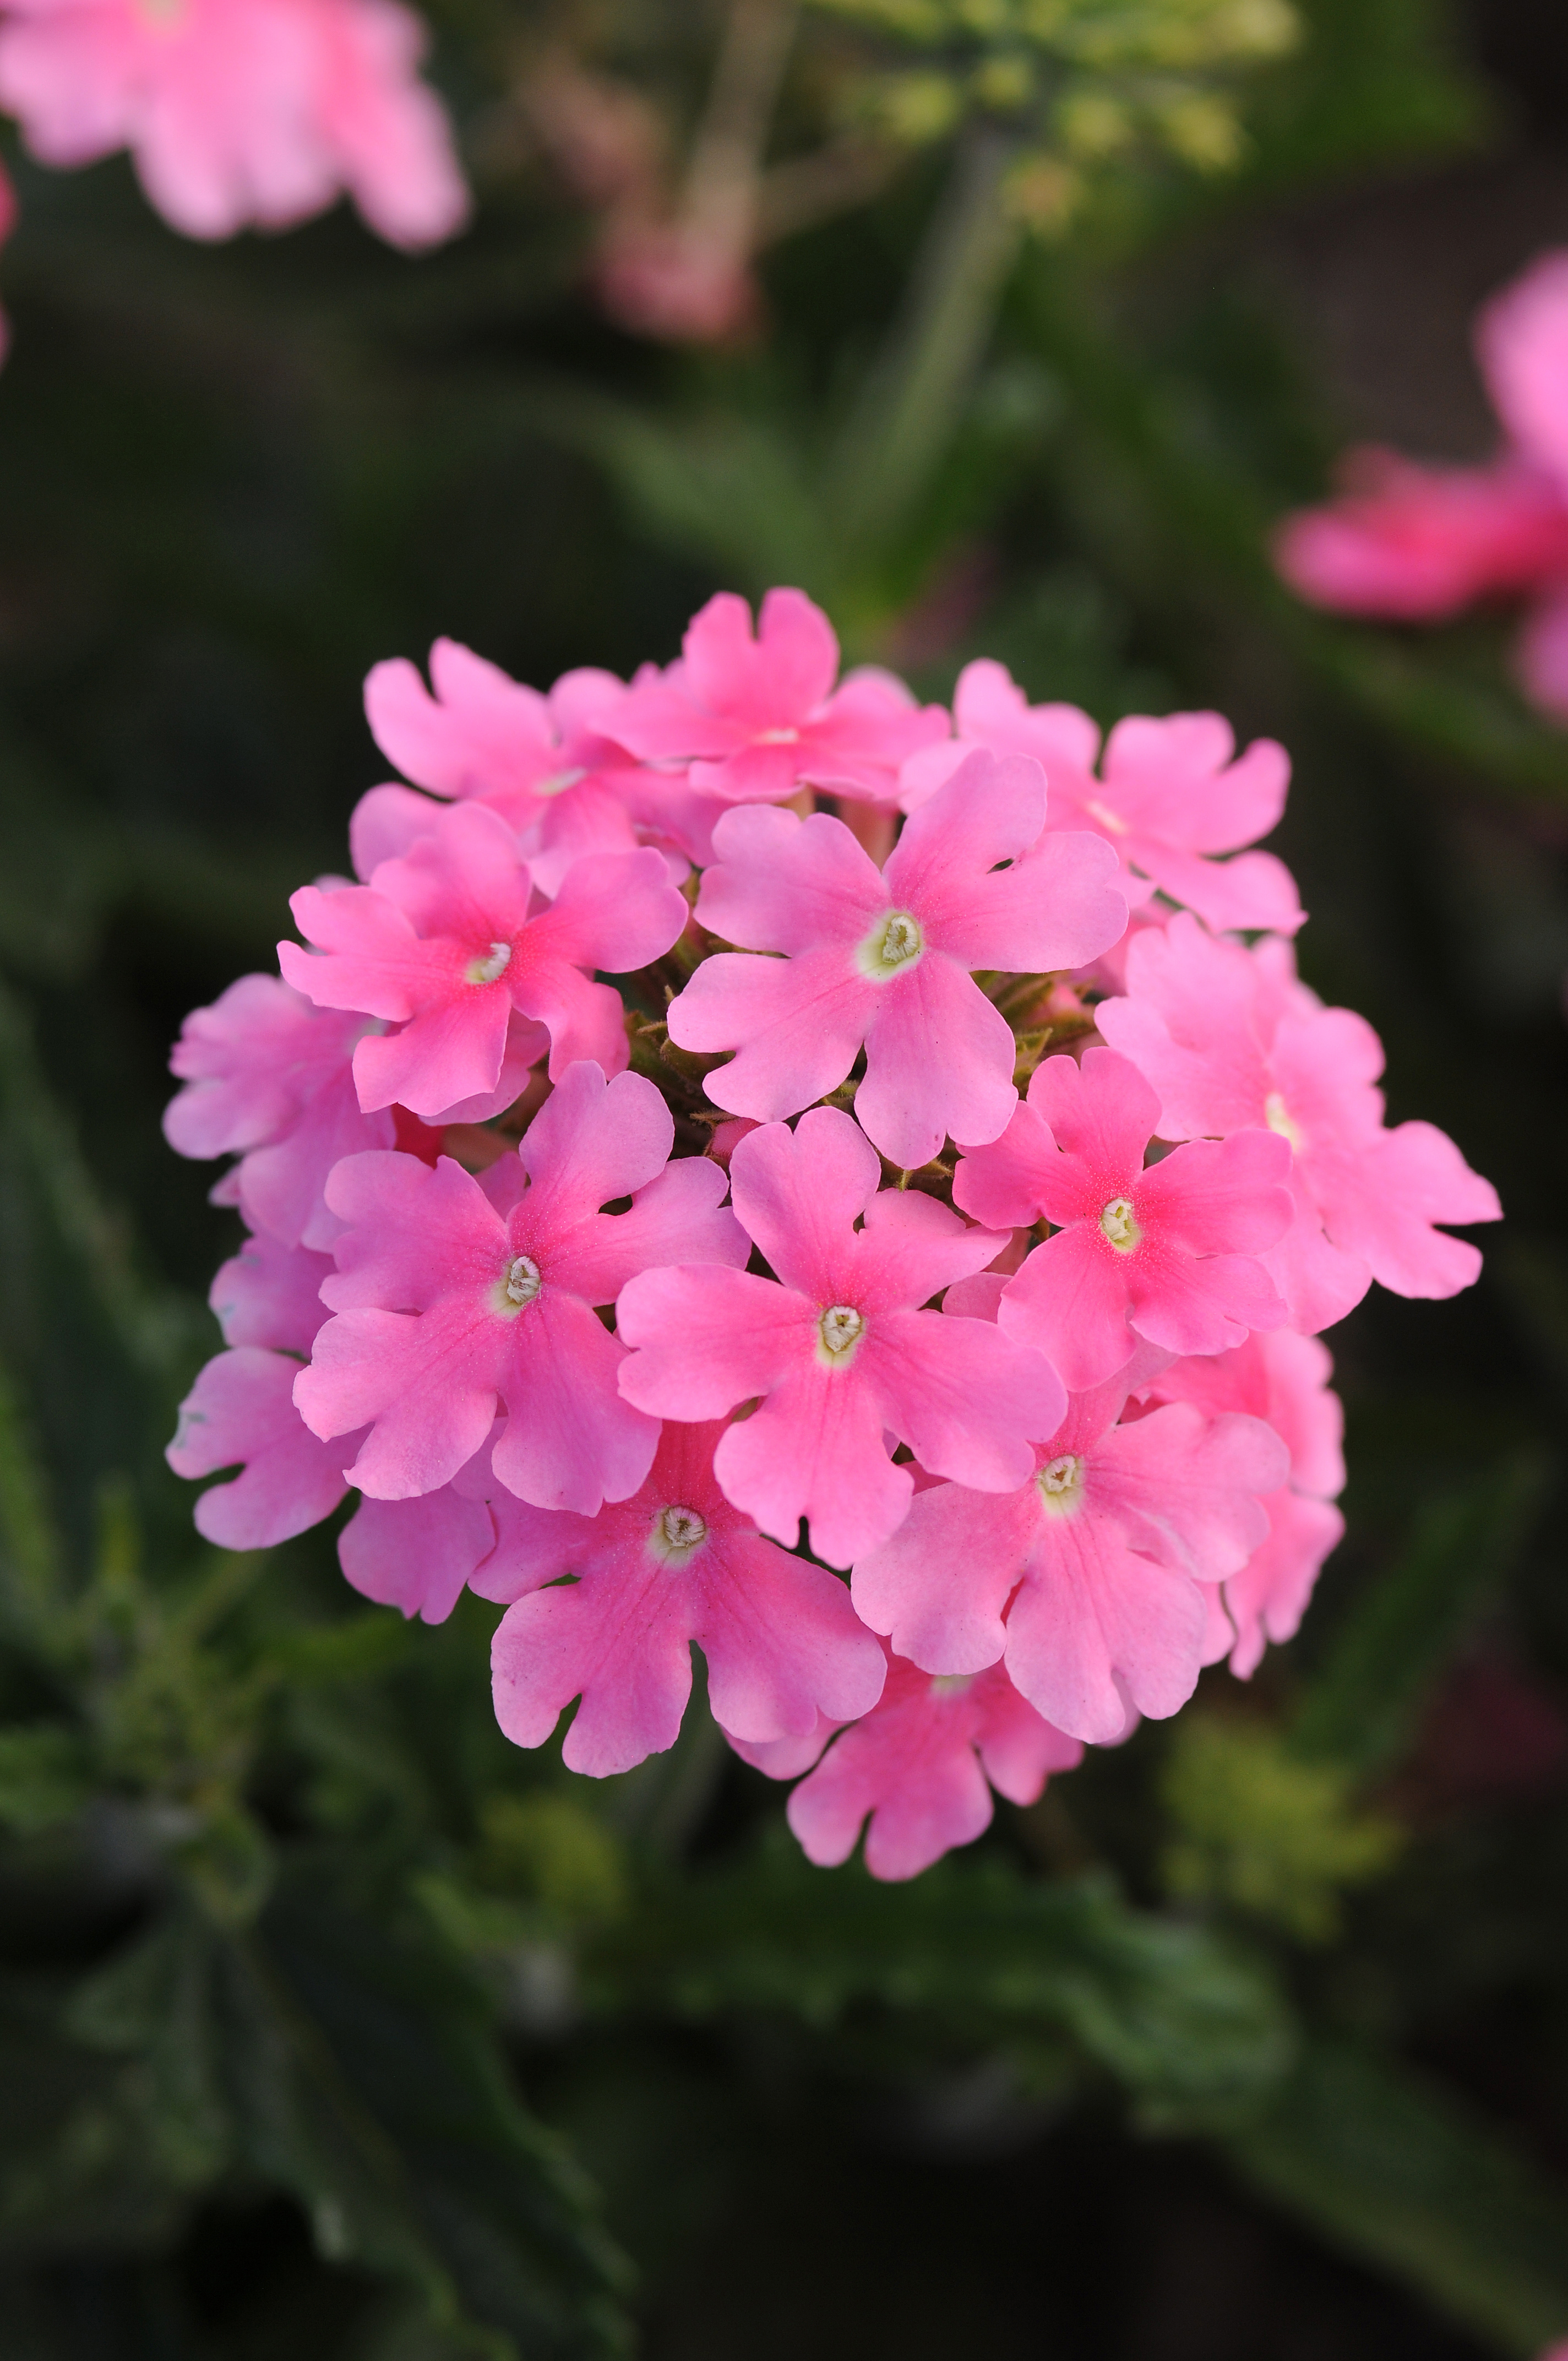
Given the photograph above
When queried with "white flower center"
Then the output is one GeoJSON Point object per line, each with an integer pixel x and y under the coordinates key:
{"type": "Point", "coordinates": [1060, 1484]}
{"type": "Point", "coordinates": [558, 782]}
{"type": "Point", "coordinates": [776, 738]}
{"type": "Point", "coordinates": [1119, 1225]}
{"type": "Point", "coordinates": [493, 966]}
{"type": "Point", "coordinates": [841, 1328]}
{"type": "Point", "coordinates": [677, 1531]}
{"type": "Point", "coordinates": [894, 943]}
{"type": "Point", "coordinates": [1277, 1115]}
{"type": "Point", "coordinates": [523, 1282]}
{"type": "Point", "coordinates": [1106, 817]}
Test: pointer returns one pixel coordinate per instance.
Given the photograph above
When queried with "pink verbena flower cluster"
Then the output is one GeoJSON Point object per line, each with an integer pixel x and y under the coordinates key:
{"type": "Point", "coordinates": [650, 1308]}
{"type": "Point", "coordinates": [240, 111]}
{"type": "Point", "coordinates": [1419, 544]}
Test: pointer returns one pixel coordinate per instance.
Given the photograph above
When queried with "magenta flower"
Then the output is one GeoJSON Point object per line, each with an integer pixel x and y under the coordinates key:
{"type": "Point", "coordinates": [1419, 544]}
{"type": "Point", "coordinates": [836, 1347]}
{"type": "Point", "coordinates": [919, 1765]}
{"type": "Point", "coordinates": [240, 111]}
{"type": "Point", "coordinates": [1230, 1040]}
{"type": "Point", "coordinates": [1165, 1254]}
{"type": "Point", "coordinates": [270, 1294]}
{"type": "Point", "coordinates": [448, 1309]}
{"type": "Point", "coordinates": [884, 957]}
{"type": "Point", "coordinates": [441, 943]}
{"type": "Point", "coordinates": [758, 718]}
{"type": "Point", "coordinates": [547, 764]}
{"type": "Point", "coordinates": [1109, 1539]}
{"type": "Point", "coordinates": [1284, 1379]}
{"type": "Point", "coordinates": [1168, 798]}
{"type": "Point", "coordinates": [269, 1077]}
{"type": "Point", "coordinates": [673, 1564]}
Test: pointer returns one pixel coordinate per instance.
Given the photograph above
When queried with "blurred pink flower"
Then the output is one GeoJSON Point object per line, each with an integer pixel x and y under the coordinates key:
{"type": "Point", "coordinates": [1419, 544]}
{"type": "Point", "coordinates": [240, 111]}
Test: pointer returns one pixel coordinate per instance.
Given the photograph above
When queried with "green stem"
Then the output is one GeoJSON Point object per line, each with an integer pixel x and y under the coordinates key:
{"type": "Point", "coordinates": [916, 393]}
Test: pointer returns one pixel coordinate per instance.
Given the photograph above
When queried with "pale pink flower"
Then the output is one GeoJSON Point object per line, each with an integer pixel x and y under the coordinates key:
{"type": "Point", "coordinates": [269, 1078]}
{"type": "Point", "coordinates": [443, 945]}
{"type": "Point", "coordinates": [1168, 797]}
{"type": "Point", "coordinates": [1106, 1545]}
{"type": "Point", "coordinates": [758, 718]}
{"type": "Point", "coordinates": [1166, 1254]}
{"type": "Point", "coordinates": [673, 1564]}
{"type": "Point", "coordinates": [449, 1309]}
{"type": "Point", "coordinates": [240, 111]}
{"type": "Point", "coordinates": [1230, 1039]}
{"type": "Point", "coordinates": [240, 1412]}
{"type": "Point", "coordinates": [836, 1349]}
{"type": "Point", "coordinates": [548, 764]}
{"type": "Point", "coordinates": [1420, 544]}
{"type": "Point", "coordinates": [920, 1763]}
{"type": "Point", "coordinates": [1283, 1379]}
{"type": "Point", "coordinates": [884, 957]}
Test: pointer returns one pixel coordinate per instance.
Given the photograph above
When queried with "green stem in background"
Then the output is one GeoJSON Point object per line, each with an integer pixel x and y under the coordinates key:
{"type": "Point", "coordinates": [913, 398]}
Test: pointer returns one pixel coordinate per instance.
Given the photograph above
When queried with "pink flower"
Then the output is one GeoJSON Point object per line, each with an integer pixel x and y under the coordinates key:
{"type": "Point", "coordinates": [269, 1077]}
{"type": "Point", "coordinates": [1106, 1545]}
{"type": "Point", "coordinates": [673, 1564]}
{"type": "Point", "coordinates": [448, 1308]}
{"type": "Point", "coordinates": [1230, 1040]}
{"type": "Point", "coordinates": [1420, 544]}
{"type": "Point", "coordinates": [547, 764]}
{"type": "Point", "coordinates": [417, 1554]}
{"type": "Point", "coordinates": [759, 717]}
{"type": "Point", "coordinates": [240, 1412]}
{"type": "Point", "coordinates": [675, 279]}
{"type": "Point", "coordinates": [1165, 1254]}
{"type": "Point", "coordinates": [1169, 797]}
{"type": "Point", "coordinates": [1284, 1379]}
{"type": "Point", "coordinates": [919, 1764]}
{"type": "Point", "coordinates": [835, 1347]}
{"type": "Point", "coordinates": [240, 111]}
{"type": "Point", "coordinates": [441, 944]}
{"type": "Point", "coordinates": [270, 1294]}
{"type": "Point", "coordinates": [884, 957]}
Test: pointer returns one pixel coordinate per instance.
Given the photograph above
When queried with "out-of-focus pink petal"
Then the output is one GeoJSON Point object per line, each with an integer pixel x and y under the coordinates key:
{"type": "Point", "coordinates": [1521, 341]}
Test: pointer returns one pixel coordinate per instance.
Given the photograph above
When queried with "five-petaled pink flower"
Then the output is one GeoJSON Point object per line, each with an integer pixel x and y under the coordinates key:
{"type": "Point", "coordinates": [454, 1299]}
{"type": "Point", "coordinates": [1284, 1379]}
{"type": "Point", "coordinates": [1169, 797]}
{"type": "Point", "coordinates": [441, 944]}
{"type": "Point", "coordinates": [1166, 1254]}
{"type": "Point", "coordinates": [758, 718]}
{"type": "Point", "coordinates": [1106, 1546]}
{"type": "Point", "coordinates": [836, 1349]}
{"type": "Point", "coordinates": [269, 1078]}
{"type": "Point", "coordinates": [1419, 544]}
{"type": "Point", "coordinates": [1230, 1039]}
{"type": "Point", "coordinates": [549, 765]}
{"type": "Point", "coordinates": [240, 111]}
{"type": "Point", "coordinates": [920, 1763]}
{"type": "Point", "coordinates": [884, 957]}
{"type": "Point", "coordinates": [675, 1564]}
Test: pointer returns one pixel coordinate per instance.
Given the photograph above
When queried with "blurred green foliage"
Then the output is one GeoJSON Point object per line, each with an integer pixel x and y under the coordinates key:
{"type": "Point", "coordinates": [284, 1923]}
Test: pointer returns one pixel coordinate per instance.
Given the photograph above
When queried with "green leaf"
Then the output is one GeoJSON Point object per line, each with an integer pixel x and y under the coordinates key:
{"type": "Point", "coordinates": [1189, 2026]}
{"type": "Point", "coordinates": [1361, 1705]}
{"type": "Point", "coordinates": [1389, 2166]}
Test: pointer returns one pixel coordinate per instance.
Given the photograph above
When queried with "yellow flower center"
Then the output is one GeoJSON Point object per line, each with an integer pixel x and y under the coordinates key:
{"type": "Point", "coordinates": [1120, 1227]}
{"type": "Point", "coordinates": [894, 943]}
{"type": "Point", "coordinates": [1060, 1484]}
{"type": "Point", "coordinates": [1277, 1115]}
{"type": "Point", "coordinates": [493, 966]}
